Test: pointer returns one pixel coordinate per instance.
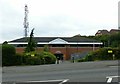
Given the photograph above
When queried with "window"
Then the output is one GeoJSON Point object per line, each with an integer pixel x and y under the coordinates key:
{"type": "Point", "coordinates": [40, 45]}
{"type": "Point", "coordinates": [58, 45]}
{"type": "Point", "coordinates": [21, 45]}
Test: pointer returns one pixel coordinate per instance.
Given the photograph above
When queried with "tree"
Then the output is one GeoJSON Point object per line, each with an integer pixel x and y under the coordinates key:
{"type": "Point", "coordinates": [112, 40]}
{"type": "Point", "coordinates": [104, 38]}
{"type": "Point", "coordinates": [31, 43]}
{"type": "Point", "coordinates": [5, 42]}
{"type": "Point", "coordinates": [46, 48]}
{"type": "Point", "coordinates": [115, 40]}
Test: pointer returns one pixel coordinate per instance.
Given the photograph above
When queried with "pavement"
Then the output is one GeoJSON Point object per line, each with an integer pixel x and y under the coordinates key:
{"type": "Point", "coordinates": [65, 72]}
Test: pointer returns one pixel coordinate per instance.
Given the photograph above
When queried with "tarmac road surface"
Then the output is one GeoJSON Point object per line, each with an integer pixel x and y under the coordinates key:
{"type": "Point", "coordinates": [97, 71]}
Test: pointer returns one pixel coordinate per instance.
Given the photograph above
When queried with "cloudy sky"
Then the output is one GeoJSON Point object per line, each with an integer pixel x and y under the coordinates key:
{"type": "Point", "coordinates": [57, 17]}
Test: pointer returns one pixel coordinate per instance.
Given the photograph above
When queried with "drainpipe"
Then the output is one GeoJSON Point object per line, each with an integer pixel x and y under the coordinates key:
{"type": "Point", "coordinates": [77, 47]}
{"type": "Point", "coordinates": [93, 46]}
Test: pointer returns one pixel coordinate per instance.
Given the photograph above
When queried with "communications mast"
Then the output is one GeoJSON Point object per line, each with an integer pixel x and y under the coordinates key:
{"type": "Point", "coordinates": [26, 23]}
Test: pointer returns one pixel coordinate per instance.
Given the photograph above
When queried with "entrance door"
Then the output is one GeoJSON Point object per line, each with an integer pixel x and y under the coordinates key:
{"type": "Point", "coordinates": [59, 56]}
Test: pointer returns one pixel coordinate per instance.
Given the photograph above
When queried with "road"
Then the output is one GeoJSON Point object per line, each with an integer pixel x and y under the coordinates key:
{"type": "Point", "coordinates": [72, 72]}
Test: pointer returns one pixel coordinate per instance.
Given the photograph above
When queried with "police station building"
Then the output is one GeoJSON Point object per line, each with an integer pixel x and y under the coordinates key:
{"type": "Point", "coordinates": [65, 47]}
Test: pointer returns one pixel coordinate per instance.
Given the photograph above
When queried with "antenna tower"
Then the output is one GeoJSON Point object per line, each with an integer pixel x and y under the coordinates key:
{"type": "Point", "coordinates": [26, 23]}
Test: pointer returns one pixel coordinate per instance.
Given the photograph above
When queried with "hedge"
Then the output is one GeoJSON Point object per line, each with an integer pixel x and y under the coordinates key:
{"type": "Point", "coordinates": [102, 54]}
{"type": "Point", "coordinates": [8, 55]}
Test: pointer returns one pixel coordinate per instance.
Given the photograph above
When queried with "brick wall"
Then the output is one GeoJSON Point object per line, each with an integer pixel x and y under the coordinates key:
{"type": "Point", "coordinates": [66, 51]}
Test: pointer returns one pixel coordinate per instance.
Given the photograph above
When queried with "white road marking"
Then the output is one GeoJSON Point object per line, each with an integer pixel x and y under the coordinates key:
{"type": "Point", "coordinates": [110, 78]}
{"type": "Point", "coordinates": [64, 81]}
{"type": "Point", "coordinates": [61, 81]}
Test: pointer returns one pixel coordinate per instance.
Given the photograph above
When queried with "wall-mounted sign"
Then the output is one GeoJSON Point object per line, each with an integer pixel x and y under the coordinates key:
{"type": "Point", "coordinates": [110, 51]}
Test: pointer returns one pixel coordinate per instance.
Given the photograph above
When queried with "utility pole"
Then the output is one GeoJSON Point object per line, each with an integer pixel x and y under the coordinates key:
{"type": "Point", "coordinates": [26, 23]}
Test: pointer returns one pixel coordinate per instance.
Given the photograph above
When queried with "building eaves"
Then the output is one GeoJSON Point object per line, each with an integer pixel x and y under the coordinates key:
{"type": "Point", "coordinates": [49, 39]}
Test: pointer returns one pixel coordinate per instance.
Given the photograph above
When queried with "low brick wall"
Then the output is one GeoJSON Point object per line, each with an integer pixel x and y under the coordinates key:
{"type": "Point", "coordinates": [66, 51]}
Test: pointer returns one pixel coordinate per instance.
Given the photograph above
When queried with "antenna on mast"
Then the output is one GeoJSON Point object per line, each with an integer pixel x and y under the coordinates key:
{"type": "Point", "coordinates": [26, 23]}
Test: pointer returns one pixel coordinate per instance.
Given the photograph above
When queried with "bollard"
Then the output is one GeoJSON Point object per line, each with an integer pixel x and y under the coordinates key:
{"type": "Point", "coordinates": [73, 59]}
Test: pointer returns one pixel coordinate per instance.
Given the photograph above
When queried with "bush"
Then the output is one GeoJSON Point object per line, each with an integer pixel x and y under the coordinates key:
{"type": "Point", "coordinates": [48, 57]}
{"type": "Point", "coordinates": [102, 54]}
{"type": "Point", "coordinates": [34, 61]}
{"type": "Point", "coordinates": [10, 58]}
{"type": "Point", "coordinates": [89, 58]}
{"type": "Point", "coordinates": [31, 58]}
{"type": "Point", "coordinates": [81, 60]}
{"type": "Point", "coordinates": [34, 58]}
{"type": "Point", "coordinates": [117, 53]}
{"type": "Point", "coordinates": [18, 59]}
{"type": "Point", "coordinates": [8, 55]}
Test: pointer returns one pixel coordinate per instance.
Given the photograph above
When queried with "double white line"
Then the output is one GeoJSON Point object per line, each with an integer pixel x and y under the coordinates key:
{"type": "Point", "coordinates": [110, 78]}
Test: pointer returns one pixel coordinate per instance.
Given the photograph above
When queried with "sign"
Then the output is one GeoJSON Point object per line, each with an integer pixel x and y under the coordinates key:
{"type": "Point", "coordinates": [110, 51]}
{"type": "Point", "coordinates": [32, 55]}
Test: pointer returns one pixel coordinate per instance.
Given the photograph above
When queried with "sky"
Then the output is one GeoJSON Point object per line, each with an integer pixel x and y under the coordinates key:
{"type": "Point", "coordinates": [58, 18]}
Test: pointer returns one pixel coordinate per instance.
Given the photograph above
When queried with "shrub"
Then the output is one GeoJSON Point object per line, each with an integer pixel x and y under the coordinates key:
{"type": "Point", "coordinates": [48, 57]}
{"type": "Point", "coordinates": [102, 54]}
{"type": "Point", "coordinates": [8, 55]}
{"type": "Point", "coordinates": [18, 59]}
{"type": "Point", "coordinates": [34, 58]}
{"type": "Point", "coordinates": [117, 53]}
{"type": "Point", "coordinates": [81, 60]}
{"type": "Point", "coordinates": [31, 58]}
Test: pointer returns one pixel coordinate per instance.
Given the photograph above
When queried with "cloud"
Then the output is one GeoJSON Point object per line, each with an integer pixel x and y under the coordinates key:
{"type": "Point", "coordinates": [57, 17]}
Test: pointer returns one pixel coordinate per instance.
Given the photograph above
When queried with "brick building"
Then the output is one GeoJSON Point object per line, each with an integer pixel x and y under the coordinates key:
{"type": "Point", "coordinates": [64, 47]}
{"type": "Point", "coordinates": [114, 31]}
{"type": "Point", "coordinates": [106, 32]}
{"type": "Point", "coordinates": [102, 32]}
